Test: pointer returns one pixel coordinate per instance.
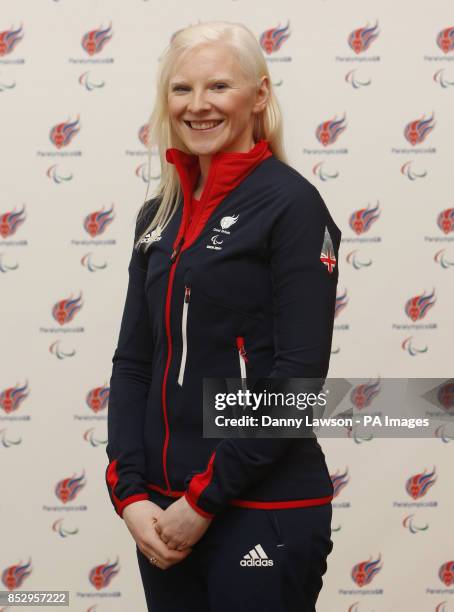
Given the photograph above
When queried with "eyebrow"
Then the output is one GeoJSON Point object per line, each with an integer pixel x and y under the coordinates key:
{"type": "Point", "coordinates": [212, 80]}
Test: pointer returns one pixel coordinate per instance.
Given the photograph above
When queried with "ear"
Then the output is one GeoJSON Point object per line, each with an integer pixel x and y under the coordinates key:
{"type": "Point", "coordinates": [262, 95]}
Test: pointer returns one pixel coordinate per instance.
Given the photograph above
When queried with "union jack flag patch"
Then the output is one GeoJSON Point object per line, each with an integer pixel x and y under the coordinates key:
{"type": "Point", "coordinates": [327, 256]}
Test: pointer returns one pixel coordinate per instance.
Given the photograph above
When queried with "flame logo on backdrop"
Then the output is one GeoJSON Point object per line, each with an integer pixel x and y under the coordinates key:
{"type": "Point", "coordinates": [67, 489]}
{"type": "Point", "coordinates": [328, 131]}
{"type": "Point", "coordinates": [62, 133]}
{"type": "Point", "coordinates": [97, 398]}
{"type": "Point", "coordinates": [418, 485]}
{"type": "Point", "coordinates": [445, 395]}
{"type": "Point", "coordinates": [101, 575]}
{"type": "Point", "coordinates": [416, 131]}
{"type": "Point", "coordinates": [445, 220]}
{"type": "Point", "coordinates": [272, 40]}
{"type": "Point", "coordinates": [9, 39]}
{"type": "Point", "coordinates": [339, 481]}
{"type": "Point", "coordinates": [361, 220]}
{"type": "Point", "coordinates": [65, 310]}
{"type": "Point", "coordinates": [361, 39]}
{"type": "Point", "coordinates": [362, 395]}
{"type": "Point", "coordinates": [14, 575]}
{"type": "Point", "coordinates": [10, 221]}
{"type": "Point", "coordinates": [445, 39]}
{"type": "Point", "coordinates": [446, 573]}
{"type": "Point", "coordinates": [94, 41]}
{"type": "Point", "coordinates": [96, 222]}
{"type": "Point", "coordinates": [12, 397]}
{"type": "Point", "coordinates": [364, 571]}
{"type": "Point", "coordinates": [417, 307]}
{"type": "Point", "coordinates": [341, 303]}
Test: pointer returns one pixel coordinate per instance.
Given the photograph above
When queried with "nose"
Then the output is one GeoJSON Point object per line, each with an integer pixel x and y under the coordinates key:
{"type": "Point", "coordinates": [198, 101]}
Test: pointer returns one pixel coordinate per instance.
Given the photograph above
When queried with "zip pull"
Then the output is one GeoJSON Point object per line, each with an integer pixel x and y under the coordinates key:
{"type": "Point", "coordinates": [177, 250]}
{"type": "Point", "coordinates": [187, 294]}
{"type": "Point", "coordinates": [241, 348]}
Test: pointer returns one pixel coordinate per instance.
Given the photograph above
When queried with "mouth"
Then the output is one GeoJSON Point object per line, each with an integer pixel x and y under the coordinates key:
{"type": "Point", "coordinates": [204, 126]}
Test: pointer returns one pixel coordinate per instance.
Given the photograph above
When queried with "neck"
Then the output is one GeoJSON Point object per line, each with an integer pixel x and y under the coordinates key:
{"type": "Point", "coordinates": [205, 162]}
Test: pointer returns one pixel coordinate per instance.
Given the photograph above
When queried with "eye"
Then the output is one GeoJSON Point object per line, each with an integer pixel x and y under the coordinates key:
{"type": "Point", "coordinates": [221, 84]}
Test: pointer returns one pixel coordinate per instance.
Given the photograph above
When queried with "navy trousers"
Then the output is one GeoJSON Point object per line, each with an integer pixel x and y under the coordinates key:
{"type": "Point", "coordinates": [248, 560]}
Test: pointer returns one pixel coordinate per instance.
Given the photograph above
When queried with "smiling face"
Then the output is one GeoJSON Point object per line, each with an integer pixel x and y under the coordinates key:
{"type": "Point", "coordinates": [212, 103]}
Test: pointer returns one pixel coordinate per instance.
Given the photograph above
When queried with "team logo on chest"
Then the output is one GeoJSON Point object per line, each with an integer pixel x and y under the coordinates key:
{"type": "Point", "coordinates": [153, 236]}
{"type": "Point", "coordinates": [225, 223]}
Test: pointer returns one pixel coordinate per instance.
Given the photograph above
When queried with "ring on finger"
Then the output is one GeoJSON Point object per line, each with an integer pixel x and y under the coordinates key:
{"type": "Point", "coordinates": [153, 561]}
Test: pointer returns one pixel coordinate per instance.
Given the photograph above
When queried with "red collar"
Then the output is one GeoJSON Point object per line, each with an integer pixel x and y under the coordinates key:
{"type": "Point", "coordinates": [226, 172]}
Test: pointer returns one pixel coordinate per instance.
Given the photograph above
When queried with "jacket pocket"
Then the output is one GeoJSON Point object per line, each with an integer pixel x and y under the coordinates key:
{"type": "Point", "coordinates": [184, 335]}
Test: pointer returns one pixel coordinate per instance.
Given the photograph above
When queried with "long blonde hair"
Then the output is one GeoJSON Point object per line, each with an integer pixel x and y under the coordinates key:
{"type": "Point", "coordinates": [267, 124]}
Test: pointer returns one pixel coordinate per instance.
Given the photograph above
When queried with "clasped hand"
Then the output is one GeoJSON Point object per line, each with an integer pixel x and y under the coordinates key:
{"type": "Point", "coordinates": [165, 535]}
{"type": "Point", "coordinates": [180, 527]}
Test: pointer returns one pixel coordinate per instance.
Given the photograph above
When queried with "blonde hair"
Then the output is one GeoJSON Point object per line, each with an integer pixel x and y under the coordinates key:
{"type": "Point", "coordinates": [267, 124]}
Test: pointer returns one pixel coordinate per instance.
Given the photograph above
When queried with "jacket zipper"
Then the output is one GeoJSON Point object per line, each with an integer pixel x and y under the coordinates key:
{"type": "Point", "coordinates": [242, 355]}
{"type": "Point", "coordinates": [174, 258]}
{"type": "Point", "coordinates": [184, 323]}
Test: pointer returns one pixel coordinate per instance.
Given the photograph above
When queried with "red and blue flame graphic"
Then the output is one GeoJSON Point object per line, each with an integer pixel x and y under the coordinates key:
{"type": "Point", "coordinates": [96, 222]}
{"type": "Point", "coordinates": [271, 40]}
{"type": "Point", "coordinates": [362, 395]}
{"type": "Point", "coordinates": [14, 575]}
{"type": "Point", "coordinates": [328, 131]}
{"type": "Point", "coordinates": [446, 573]}
{"type": "Point", "coordinates": [10, 221]}
{"type": "Point", "coordinates": [339, 481]}
{"type": "Point", "coordinates": [9, 39]}
{"type": "Point", "coordinates": [417, 307]}
{"type": "Point", "coordinates": [98, 398]}
{"type": "Point", "coordinates": [361, 39]}
{"type": "Point", "coordinates": [94, 41]}
{"type": "Point", "coordinates": [445, 220]}
{"type": "Point", "coordinates": [65, 310]}
{"type": "Point", "coordinates": [364, 571]}
{"type": "Point", "coordinates": [101, 575]}
{"type": "Point", "coordinates": [12, 397]}
{"type": "Point", "coordinates": [445, 39]}
{"type": "Point", "coordinates": [418, 485]}
{"type": "Point", "coordinates": [341, 303]}
{"type": "Point", "coordinates": [67, 489]}
{"type": "Point", "coordinates": [361, 220]}
{"type": "Point", "coordinates": [416, 131]}
{"type": "Point", "coordinates": [445, 395]}
{"type": "Point", "coordinates": [62, 133]}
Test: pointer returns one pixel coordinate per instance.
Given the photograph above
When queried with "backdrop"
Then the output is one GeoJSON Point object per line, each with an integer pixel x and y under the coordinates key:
{"type": "Point", "coordinates": [367, 94]}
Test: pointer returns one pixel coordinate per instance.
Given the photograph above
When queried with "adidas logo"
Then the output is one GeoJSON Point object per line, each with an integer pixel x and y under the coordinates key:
{"type": "Point", "coordinates": [256, 557]}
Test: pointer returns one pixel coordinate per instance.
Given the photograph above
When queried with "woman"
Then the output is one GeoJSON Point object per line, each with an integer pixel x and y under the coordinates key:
{"type": "Point", "coordinates": [233, 274]}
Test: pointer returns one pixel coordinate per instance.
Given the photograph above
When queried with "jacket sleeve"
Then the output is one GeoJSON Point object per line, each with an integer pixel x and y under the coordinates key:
{"type": "Point", "coordinates": [129, 385]}
{"type": "Point", "coordinates": [304, 297]}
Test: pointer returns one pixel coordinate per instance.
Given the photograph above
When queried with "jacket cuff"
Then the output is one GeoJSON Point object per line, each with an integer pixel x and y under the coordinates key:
{"type": "Point", "coordinates": [134, 491]}
{"type": "Point", "coordinates": [197, 507]}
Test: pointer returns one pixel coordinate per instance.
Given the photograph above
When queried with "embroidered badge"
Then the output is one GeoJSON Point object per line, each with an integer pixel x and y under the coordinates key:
{"type": "Point", "coordinates": [153, 236]}
{"type": "Point", "coordinates": [327, 256]}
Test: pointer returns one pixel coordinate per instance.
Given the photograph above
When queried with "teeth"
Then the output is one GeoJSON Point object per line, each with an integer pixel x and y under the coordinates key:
{"type": "Point", "coordinates": [204, 125]}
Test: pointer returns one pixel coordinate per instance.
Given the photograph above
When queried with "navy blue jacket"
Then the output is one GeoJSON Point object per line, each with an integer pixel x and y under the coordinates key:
{"type": "Point", "coordinates": [243, 285]}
